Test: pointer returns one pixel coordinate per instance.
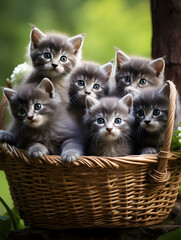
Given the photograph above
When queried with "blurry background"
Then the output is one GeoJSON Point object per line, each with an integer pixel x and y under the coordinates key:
{"type": "Point", "coordinates": [125, 24]}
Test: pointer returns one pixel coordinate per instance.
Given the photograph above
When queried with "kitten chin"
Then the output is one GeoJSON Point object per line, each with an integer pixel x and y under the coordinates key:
{"type": "Point", "coordinates": [133, 74]}
{"type": "Point", "coordinates": [54, 55]}
{"type": "Point", "coordinates": [108, 123]}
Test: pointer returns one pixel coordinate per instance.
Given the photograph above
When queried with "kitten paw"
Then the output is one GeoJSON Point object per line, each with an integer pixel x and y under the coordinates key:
{"type": "Point", "coordinates": [70, 156]}
{"type": "Point", "coordinates": [149, 150]}
{"type": "Point", "coordinates": [37, 152]}
{"type": "Point", "coordinates": [6, 137]}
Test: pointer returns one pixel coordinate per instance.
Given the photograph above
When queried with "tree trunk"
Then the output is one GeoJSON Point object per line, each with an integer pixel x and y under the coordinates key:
{"type": "Point", "coordinates": [166, 37]}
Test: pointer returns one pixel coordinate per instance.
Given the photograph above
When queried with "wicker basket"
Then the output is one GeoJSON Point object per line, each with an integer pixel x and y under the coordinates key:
{"type": "Point", "coordinates": [93, 192]}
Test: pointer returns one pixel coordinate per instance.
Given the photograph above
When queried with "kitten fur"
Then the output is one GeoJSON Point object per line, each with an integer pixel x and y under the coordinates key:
{"type": "Point", "coordinates": [112, 136]}
{"type": "Point", "coordinates": [40, 125]}
{"type": "Point", "coordinates": [151, 112]}
{"type": "Point", "coordinates": [88, 79]}
{"type": "Point", "coordinates": [132, 74]}
{"type": "Point", "coordinates": [54, 56]}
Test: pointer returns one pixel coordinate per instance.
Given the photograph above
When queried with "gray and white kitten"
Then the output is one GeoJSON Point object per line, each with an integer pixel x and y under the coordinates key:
{"type": "Point", "coordinates": [54, 56]}
{"type": "Point", "coordinates": [88, 79]}
{"type": "Point", "coordinates": [132, 74]}
{"type": "Point", "coordinates": [108, 122]}
{"type": "Point", "coordinates": [151, 112]}
{"type": "Point", "coordinates": [40, 125]}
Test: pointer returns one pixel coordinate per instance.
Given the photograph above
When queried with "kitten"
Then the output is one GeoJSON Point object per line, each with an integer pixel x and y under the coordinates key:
{"type": "Point", "coordinates": [151, 111]}
{"type": "Point", "coordinates": [109, 126]}
{"type": "Point", "coordinates": [54, 56]}
{"type": "Point", "coordinates": [132, 74]}
{"type": "Point", "coordinates": [41, 125]}
{"type": "Point", "coordinates": [89, 79]}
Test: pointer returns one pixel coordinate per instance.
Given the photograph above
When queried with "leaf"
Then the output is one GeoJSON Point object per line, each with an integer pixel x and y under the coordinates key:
{"type": "Point", "coordinates": [5, 225]}
{"type": "Point", "coordinates": [175, 235]}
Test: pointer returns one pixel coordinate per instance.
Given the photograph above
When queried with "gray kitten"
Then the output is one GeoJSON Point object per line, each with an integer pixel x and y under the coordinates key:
{"type": "Point", "coordinates": [109, 126]}
{"type": "Point", "coordinates": [54, 56]}
{"type": "Point", "coordinates": [89, 79]}
{"type": "Point", "coordinates": [40, 125]}
{"type": "Point", "coordinates": [132, 74]}
{"type": "Point", "coordinates": [151, 111]}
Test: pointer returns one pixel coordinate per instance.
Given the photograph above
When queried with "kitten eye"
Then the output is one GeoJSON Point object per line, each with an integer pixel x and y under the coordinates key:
{"type": "Point", "coordinates": [100, 120]}
{"type": "Point", "coordinates": [21, 112]}
{"type": "Point", "coordinates": [37, 106]}
{"type": "Point", "coordinates": [96, 86]}
{"type": "Point", "coordinates": [143, 81]}
{"type": "Point", "coordinates": [63, 58]}
{"type": "Point", "coordinates": [118, 120]}
{"type": "Point", "coordinates": [140, 113]}
{"type": "Point", "coordinates": [81, 83]}
{"type": "Point", "coordinates": [127, 79]}
{"type": "Point", "coordinates": [156, 112]}
{"type": "Point", "coordinates": [47, 55]}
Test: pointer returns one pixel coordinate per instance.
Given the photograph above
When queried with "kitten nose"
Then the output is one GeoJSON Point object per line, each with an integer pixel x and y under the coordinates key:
{"type": "Point", "coordinates": [147, 122]}
{"type": "Point", "coordinates": [109, 129]}
{"type": "Point", "coordinates": [88, 93]}
{"type": "Point", "coordinates": [54, 65]}
{"type": "Point", "coordinates": [30, 118]}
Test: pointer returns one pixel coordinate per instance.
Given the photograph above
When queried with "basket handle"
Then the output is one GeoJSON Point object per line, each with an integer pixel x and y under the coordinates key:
{"type": "Point", "coordinates": [160, 174]}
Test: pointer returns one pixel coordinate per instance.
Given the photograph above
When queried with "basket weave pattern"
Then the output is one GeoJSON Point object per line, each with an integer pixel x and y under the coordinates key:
{"type": "Point", "coordinates": [92, 192]}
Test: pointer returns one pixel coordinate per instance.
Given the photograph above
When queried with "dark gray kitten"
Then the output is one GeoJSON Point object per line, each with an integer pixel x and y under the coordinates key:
{"type": "Point", "coordinates": [109, 126]}
{"type": "Point", "coordinates": [151, 111]}
{"type": "Point", "coordinates": [89, 79]}
{"type": "Point", "coordinates": [40, 125]}
{"type": "Point", "coordinates": [54, 56]}
{"type": "Point", "coordinates": [132, 74]}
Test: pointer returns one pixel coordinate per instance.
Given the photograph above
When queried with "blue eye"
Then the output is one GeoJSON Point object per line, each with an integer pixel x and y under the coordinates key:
{"type": "Point", "coordinates": [143, 81]}
{"type": "Point", "coordinates": [156, 112]}
{"type": "Point", "coordinates": [118, 120]}
{"type": "Point", "coordinates": [81, 83]}
{"type": "Point", "coordinates": [127, 79]}
{"type": "Point", "coordinates": [96, 86]}
{"type": "Point", "coordinates": [47, 55]}
{"type": "Point", "coordinates": [37, 106]}
{"type": "Point", "coordinates": [100, 120]}
{"type": "Point", "coordinates": [140, 113]}
{"type": "Point", "coordinates": [63, 58]}
{"type": "Point", "coordinates": [21, 112]}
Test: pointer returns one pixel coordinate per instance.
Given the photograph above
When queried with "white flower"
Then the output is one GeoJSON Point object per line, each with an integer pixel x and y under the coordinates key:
{"type": "Point", "coordinates": [19, 73]}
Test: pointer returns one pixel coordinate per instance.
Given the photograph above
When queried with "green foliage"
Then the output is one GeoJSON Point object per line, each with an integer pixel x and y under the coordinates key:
{"type": "Point", "coordinates": [175, 235]}
{"type": "Point", "coordinates": [176, 139]}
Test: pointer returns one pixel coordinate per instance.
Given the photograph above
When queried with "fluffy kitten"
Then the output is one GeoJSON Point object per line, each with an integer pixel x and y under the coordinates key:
{"type": "Point", "coordinates": [109, 125]}
{"type": "Point", "coordinates": [41, 125]}
{"type": "Point", "coordinates": [132, 74]}
{"type": "Point", "coordinates": [89, 79]}
{"type": "Point", "coordinates": [151, 111]}
{"type": "Point", "coordinates": [54, 56]}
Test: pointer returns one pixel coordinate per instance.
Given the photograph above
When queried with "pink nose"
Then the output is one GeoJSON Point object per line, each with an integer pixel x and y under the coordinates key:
{"type": "Point", "coordinates": [109, 130]}
{"type": "Point", "coordinates": [30, 118]}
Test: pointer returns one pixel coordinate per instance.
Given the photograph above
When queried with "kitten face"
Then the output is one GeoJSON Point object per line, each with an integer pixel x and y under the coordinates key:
{"type": "Point", "coordinates": [89, 80]}
{"type": "Point", "coordinates": [54, 55]}
{"type": "Point", "coordinates": [151, 111]}
{"type": "Point", "coordinates": [109, 119]}
{"type": "Point", "coordinates": [32, 107]}
{"type": "Point", "coordinates": [134, 74]}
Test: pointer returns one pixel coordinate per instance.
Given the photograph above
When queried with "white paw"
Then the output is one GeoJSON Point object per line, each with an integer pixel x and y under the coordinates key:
{"type": "Point", "coordinates": [70, 155]}
{"type": "Point", "coordinates": [149, 150]}
{"type": "Point", "coordinates": [36, 152]}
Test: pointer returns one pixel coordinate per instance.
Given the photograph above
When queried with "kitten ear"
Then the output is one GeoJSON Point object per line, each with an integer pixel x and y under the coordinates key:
{"type": "Point", "coordinates": [36, 36]}
{"type": "Point", "coordinates": [121, 57]}
{"type": "Point", "coordinates": [165, 90]}
{"type": "Point", "coordinates": [107, 68]}
{"type": "Point", "coordinates": [9, 93]}
{"type": "Point", "coordinates": [91, 102]}
{"type": "Point", "coordinates": [159, 65]}
{"type": "Point", "coordinates": [77, 42]}
{"type": "Point", "coordinates": [127, 100]}
{"type": "Point", "coordinates": [47, 86]}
